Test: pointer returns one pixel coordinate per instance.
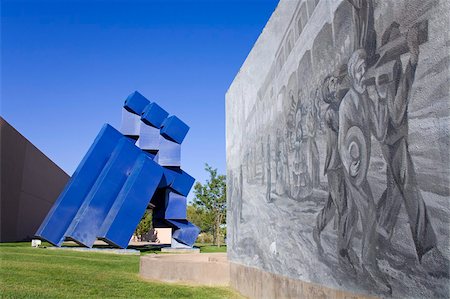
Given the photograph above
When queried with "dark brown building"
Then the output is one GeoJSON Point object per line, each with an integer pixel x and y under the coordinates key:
{"type": "Point", "coordinates": [30, 184]}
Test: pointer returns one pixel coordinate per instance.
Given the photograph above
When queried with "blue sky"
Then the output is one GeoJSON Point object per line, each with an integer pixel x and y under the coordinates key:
{"type": "Point", "coordinates": [67, 66]}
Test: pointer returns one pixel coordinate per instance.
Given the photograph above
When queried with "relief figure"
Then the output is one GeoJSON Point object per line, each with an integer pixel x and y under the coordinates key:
{"type": "Point", "coordinates": [280, 160]}
{"type": "Point", "coordinates": [268, 172]}
{"type": "Point", "coordinates": [337, 206]}
{"type": "Point", "coordinates": [312, 124]}
{"type": "Point", "coordinates": [401, 178]}
{"type": "Point", "coordinates": [365, 36]}
{"type": "Point", "coordinates": [359, 117]}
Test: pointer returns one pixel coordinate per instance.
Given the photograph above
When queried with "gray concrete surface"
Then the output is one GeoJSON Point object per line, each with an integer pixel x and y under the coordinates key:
{"type": "Point", "coordinates": [255, 283]}
{"type": "Point", "coordinates": [289, 173]}
{"type": "Point", "coordinates": [180, 250]}
{"type": "Point", "coordinates": [211, 269]}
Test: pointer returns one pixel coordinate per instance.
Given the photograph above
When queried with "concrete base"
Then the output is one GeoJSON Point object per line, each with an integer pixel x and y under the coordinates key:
{"type": "Point", "coordinates": [255, 283]}
{"type": "Point", "coordinates": [180, 250]}
{"type": "Point", "coordinates": [99, 250]}
{"type": "Point", "coordinates": [211, 269]}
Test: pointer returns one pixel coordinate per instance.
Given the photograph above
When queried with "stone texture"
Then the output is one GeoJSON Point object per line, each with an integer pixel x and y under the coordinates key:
{"type": "Point", "coordinates": [278, 143]}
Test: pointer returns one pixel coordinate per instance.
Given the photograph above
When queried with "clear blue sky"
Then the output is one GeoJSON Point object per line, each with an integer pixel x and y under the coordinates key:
{"type": "Point", "coordinates": [67, 66]}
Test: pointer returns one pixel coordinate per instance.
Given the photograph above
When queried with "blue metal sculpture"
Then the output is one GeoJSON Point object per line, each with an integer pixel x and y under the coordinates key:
{"type": "Point", "coordinates": [121, 174]}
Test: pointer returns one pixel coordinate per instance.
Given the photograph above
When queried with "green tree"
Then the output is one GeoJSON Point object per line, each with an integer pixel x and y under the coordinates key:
{"type": "Point", "coordinates": [211, 200]}
{"type": "Point", "coordinates": [144, 225]}
{"type": "Point", "coordinates": [198, 216]}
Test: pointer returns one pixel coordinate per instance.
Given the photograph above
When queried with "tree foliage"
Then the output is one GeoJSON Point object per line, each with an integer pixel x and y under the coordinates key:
{"type": "Point", "coordinates": [144, 225]}
{"type": "Point", "coordinates": [210, 204]}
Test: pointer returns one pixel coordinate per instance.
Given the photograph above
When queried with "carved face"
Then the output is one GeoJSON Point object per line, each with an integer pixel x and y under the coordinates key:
{"type": "Point", "coordinates": [358, 76]}
{"type": "Point", "coordinates": [332, 88]}
{"type": "Point", "coordinates": [381, 88]}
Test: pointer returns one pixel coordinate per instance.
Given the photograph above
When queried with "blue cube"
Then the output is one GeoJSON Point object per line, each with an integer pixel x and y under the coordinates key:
{"type": "Point", "coordinates": [169, 153]}
{"type": "Point", "coordinates": [136, 103]}
{"type": "Point", "coordinates": [154, 115]}
{"type": "Point", "coordinates": [182, 183]}
{"type": "Point", "coordinates": [171, 206]}
{"type": "Point", "coordinates": [149, 138]}
{"type": "Point", "coordinates": [130, 124]}
{"type": "Point", "coordinates": [174, 129]}
{"type": "Point", "coordinates": [177, 180]}
{"type": "Point", "coordinates": [184, 231]}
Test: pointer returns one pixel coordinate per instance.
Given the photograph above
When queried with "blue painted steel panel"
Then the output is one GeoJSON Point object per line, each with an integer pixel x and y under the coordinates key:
{"type": "Point", "coordinates": [130, 124]}
{"type": "Point", "coordinates": [174, 129]}
{"type": "Point", "coordinates": [167, 178]}
{"type": "Point", "coordinates": [136, 103]}
{"type": "Point", "coordinates": [177, 179]}
{"type": "Point", "coordinates": [149, 138]}
{"type": "Point", "coordinates": [154, 115]}
{"type": "Point", "coordinates": [114, 183]}
{"type": "Point", "coordinates": [71, 198]}
{"type": "Point", "coordinates": [169, 153]}
{"type": "Point", "coordinates": [171, 206]}
{"type": "Point", "coordinates": [151, 155]}
{"type": "Point", "coordinates": [182, 183]}
{"type": "Point", "coordinates": [91, 215]}
{"type": "Point", "coordinates": [130, 204]}
{"type": "Point", "coordinates": [185, 231]}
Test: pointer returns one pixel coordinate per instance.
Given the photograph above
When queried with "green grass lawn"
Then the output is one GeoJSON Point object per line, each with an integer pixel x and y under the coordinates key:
{"type": "Point", "coordinates": [206, 247]}
{"type": "Point", "coordinates": [27, 272]}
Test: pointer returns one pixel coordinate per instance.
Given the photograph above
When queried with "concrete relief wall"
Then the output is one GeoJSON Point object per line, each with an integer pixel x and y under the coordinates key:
{"type": "Point", "coordinates": [338, 147]}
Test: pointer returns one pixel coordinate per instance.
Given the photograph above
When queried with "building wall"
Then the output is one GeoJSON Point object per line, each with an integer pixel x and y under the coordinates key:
{"type": "Point", "coordinates": [30, 184]}
{"type": "Point", "coordinates": [348, 189]}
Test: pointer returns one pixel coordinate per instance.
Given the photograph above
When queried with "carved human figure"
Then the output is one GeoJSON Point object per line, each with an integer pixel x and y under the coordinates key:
{"type": "Point", "coordinates": [337, 206]}
{"type": "Point", "coordinates": [262, 162]}
{"type": "Point", "coordinates": [268, 172]}
{"type": "Point", "coordinates": [279, 164]}
{"type": "Point", "coordinates": [359, 117]}
{"type": "Point", "coordinates": [312, 124]}
{"type": "Point", "coordinates": [296, 171]}
{"type": "Point", "coordinates": [363, 23]}
{"type": "Point", "coordinates": [239, 194]}
{"type": "Point", "coordinates": [231, 197]}
{"type": "Point", "coordinates": [290, 124]}
{"type": "Point", "coordinates": [401, 178]}
{"type": "Point", "coordinates": [301, 186]}
{"type": "Point", "coordinates": [285, 157]}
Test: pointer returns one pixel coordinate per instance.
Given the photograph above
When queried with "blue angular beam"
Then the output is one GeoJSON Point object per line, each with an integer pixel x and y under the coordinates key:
{"type": "Point", "coordinates": [131, 203]}
{"type": "Point", "coordinates": [86, 225]}
{"type": "Point", "coordinates": [71, 198]}
{"type": "Point", "coordinates": [169, 205]}
{"type": "Point", "coordinates": [178, 180]}
{"type": "Point", "coordinates": [185, 232]}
